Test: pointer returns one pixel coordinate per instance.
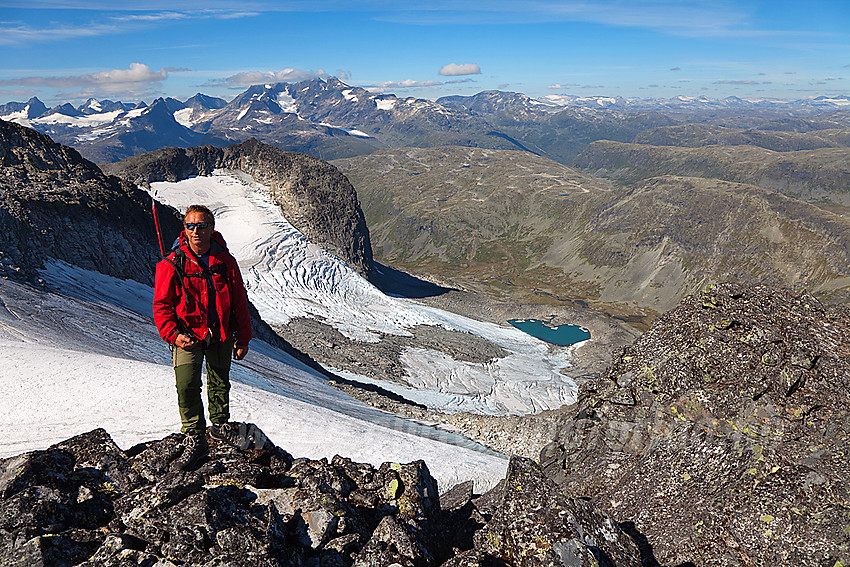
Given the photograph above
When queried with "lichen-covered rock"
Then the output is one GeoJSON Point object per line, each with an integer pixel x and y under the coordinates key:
{"type": "Point", "coordinates": [86, 502]}
{"type": "Point", "coordinates": [721, 436]}
{"type": "Point", "coordinates": [537, 526]}
{"type": "Point", "coordinates": [393, 543]}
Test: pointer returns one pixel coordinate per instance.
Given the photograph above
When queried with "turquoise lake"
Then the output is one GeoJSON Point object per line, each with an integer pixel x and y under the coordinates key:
{"type": "Point", "coordinates": [562, 335]}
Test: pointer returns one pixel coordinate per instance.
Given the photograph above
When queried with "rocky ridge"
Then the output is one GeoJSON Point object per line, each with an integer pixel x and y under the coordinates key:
{"type": "Point", "coordinates": [329, 119]}
{"type": "Point", "coordinates": [314, 196]}
{"type": "Point", "coordinates": [722, 433]}
{"type": "Point", "coordinates": [816, 175]}
{"type": "Point", "coordinates": [85, 502]}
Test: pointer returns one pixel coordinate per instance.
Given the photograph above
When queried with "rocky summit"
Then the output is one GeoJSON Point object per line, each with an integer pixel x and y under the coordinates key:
{"type": "Point", "coordinates": [86, 502]}
{"type": "Point", "coordinates": [720, 437]}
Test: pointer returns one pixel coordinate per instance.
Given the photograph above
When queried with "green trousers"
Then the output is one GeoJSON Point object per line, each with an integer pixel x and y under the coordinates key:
{"type": "Point", "coordinates": [187, 371]}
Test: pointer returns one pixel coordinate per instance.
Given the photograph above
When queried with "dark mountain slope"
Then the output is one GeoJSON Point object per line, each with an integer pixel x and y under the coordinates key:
{"type": "Point", "coordinates": [152, 129]}
{"type": "Point", "coordinates": [699, 135]}
{"type": "Point", "coordinates": [557, 133]}
{"type": "Point", "coordinates": [57, 204]}
{"type": "Point", "coordinates": [479, 218]}
{"type": "Point", "coordinates": [516, 225]}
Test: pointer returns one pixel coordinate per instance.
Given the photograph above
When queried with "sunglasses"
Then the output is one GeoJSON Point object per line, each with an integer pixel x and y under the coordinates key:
{"type": "Point", "coordinates": [197, 225]}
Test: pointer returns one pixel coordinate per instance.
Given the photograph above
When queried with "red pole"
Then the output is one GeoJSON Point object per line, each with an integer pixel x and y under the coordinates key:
{"type": "Point", "coordinates": [156, 223]}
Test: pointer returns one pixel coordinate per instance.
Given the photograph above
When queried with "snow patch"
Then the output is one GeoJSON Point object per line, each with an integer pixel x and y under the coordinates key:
{"type": "Point", "coordinates": [287, 103]}
{"type": "Point", "coordinates": [184, 117]}
{"type": "Point", "coordinates": [136, 112]}
{"type": "Point", "coordinates": [116, 373]}
{"type": "Point", "coordinates": [18, 117]}
{"type": "Point", "coordinates": [94, 105]}
{"type": "Point", "coordinates": [348, 96]}
{"type": "Point", "coordinates": [358, 133]}
{"type": "Point", "coordinates": [836, 101]}
{"type": "Point", "coordinates": [385, 103]}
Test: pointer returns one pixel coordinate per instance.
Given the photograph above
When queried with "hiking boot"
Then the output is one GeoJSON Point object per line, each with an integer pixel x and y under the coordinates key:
{"type": "Point", "coordinates": [227, 432]}
{"type": "Point", "coordinates": [195, 448]}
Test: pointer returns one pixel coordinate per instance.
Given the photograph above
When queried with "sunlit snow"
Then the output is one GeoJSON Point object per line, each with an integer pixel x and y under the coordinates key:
{"type": "Point", "coordinates": [19, 117]}
{"type": "Point", "coordinates": [287, 103]}
{"type": "Point", "coordinates": [385, 103]}
{"type": "Point", "coordinates": [184, 117]}
{"type": "Point", "coordinates": [86, 121]}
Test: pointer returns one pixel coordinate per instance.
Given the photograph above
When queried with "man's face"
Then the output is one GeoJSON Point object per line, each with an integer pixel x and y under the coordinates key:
{"type": "Point", "coordinates": [199, 238]}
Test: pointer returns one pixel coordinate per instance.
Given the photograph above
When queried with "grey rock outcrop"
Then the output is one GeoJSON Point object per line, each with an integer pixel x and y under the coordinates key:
{"type": "Point", "coordinates": [85, 502]}
{"type": "Point", "coordinates": [314, 196]}
{"type": "Point", "coordinates": [534, 525]}
{"type": "Point", "coordinates": [54, 203]}
{"type": "Point", "coordinates": [720, 437]}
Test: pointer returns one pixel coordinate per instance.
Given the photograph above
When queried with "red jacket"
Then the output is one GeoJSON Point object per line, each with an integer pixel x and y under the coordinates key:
{"type": "Point", "coordinates": [184, 308]}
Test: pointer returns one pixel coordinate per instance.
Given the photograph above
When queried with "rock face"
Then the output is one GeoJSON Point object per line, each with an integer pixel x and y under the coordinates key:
{"type": "Point", "coordinates": [54, 203]}
{"type": "Point", "coordinates": [86, 502]}
{"type": "Point", "coordinates": [314, 196]}
{"type": "Point", "coordinates": [721, 436]}
{"type": "Point", "coordinates": [532, 524]}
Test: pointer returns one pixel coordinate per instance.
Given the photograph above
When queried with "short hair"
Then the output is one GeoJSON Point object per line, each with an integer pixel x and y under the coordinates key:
{"type": "Point", "coordinates": [208, 216]}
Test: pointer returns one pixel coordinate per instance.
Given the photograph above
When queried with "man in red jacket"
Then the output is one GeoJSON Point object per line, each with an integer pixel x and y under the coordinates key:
{"type": "Point", "coordinates": [201, 308]}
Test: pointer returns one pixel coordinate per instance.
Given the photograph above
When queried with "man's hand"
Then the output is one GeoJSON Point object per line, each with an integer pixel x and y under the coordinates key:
{"type": "Point", "coordinates": [185, 341]}
{"type": "Point", "coordinates": [239, 352]}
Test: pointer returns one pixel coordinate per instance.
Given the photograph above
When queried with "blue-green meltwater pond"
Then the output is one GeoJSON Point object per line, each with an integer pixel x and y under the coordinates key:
{"type": "Point", "coordinates": [562, 335]}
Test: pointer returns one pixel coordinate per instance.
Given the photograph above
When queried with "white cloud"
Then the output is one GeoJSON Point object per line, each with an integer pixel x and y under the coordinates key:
{"type": "Point", "coordinates": [136, 73]}
{"type": "Point", "coordinates": [737, 82]}
{"type": "Point", "coordinates": [453, 69]}
{"type": "Point", "coordinates": [248, 78]}
{"type": "Point", "coordinates": [405, 84]}
{"type": "Point", "coordinates": [15, 34]}
{"type": "Point", "coordinates": [151, 17]}
{"type": "Point", "coordinates": [22, 34]}
{"type": "Point", "coordinates": [564, 86]}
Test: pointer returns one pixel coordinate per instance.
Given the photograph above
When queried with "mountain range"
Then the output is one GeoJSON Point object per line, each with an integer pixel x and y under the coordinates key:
{"type": "Point", "coordinates": [330, 119]}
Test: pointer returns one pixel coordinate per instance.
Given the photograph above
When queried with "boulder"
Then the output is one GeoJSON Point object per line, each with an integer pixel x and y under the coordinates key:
{"type": "Point", "coordinates": [537, 526]}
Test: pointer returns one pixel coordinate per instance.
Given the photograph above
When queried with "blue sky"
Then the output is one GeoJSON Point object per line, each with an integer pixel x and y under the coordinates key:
{"type": "Point", "coordinates": [71, 50]}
